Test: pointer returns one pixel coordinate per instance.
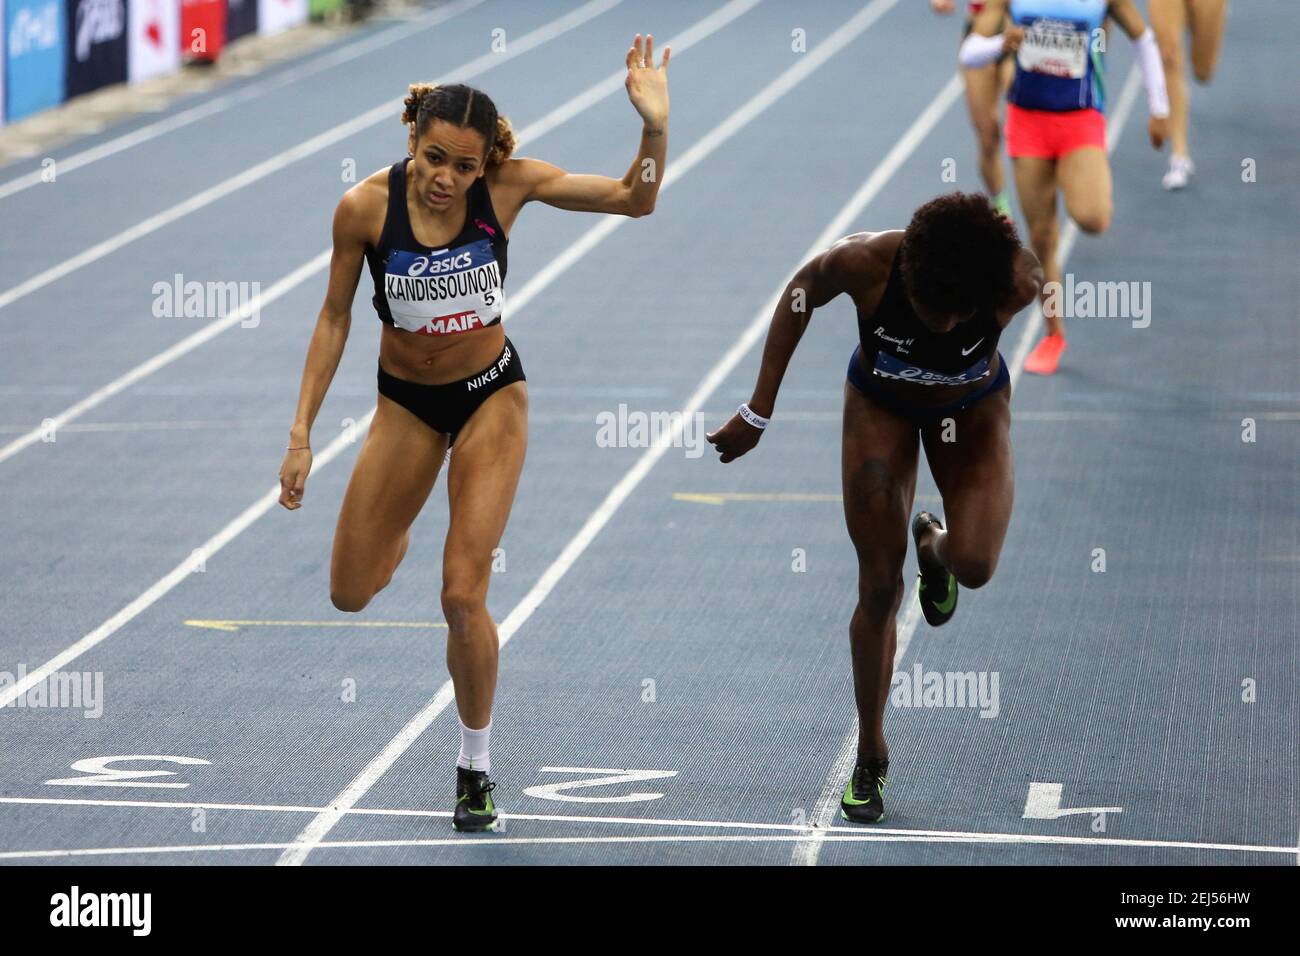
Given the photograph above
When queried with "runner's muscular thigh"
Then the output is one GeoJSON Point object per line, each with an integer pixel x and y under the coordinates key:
{"type": "Point", "coordinates": [974, 473]}
{"type": "Point", "coordinates": [879, 476]}
{"type": "Point", "coordinates": [395, 471]}
{"type": "Point", "coordinates": [485, 465]}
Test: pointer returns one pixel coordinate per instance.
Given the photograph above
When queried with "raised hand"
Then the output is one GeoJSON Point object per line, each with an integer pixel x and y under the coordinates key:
{"type": "Point", "coordinates": [647, 84]}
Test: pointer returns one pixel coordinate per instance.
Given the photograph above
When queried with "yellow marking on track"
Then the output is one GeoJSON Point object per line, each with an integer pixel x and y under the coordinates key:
{"type": "Point", "coordinates": [236, 625]}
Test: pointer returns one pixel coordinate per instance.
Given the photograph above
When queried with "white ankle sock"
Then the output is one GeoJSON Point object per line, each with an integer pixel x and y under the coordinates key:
{"type": "Point", "coordinates": [474, 748]}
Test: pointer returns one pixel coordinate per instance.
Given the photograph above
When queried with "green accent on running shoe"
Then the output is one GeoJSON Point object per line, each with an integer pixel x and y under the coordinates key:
{"type": "Point", "coordinates": [950, 602]}
{"type": "Point", "coordinates": [947, 604]}
{"type": "Point", "coordinates": [853, 801]}
{"type": "Point", "coordinates": [1002, 204]}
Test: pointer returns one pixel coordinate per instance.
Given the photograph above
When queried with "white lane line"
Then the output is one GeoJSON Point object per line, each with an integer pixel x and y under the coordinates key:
{"type": "Point", "coordinates": [806, 852]}
{"type": "Point", "coordinates": [384, 111]}
{"type": "Point", "coordinates": [167, 356]}
{"type": "Point", "coordinates": [174, 577]}
{"type": "Point", "coordinates": [552, 120]}
{"type": "Point", "coordinates": [838, 835]}
{"type": "Point", "coordinates": [219, 104]}
{"type": "Point", "coordinates": [319, 827]}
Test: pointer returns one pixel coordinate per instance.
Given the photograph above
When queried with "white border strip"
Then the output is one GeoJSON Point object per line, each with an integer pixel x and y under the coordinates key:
{"type": "Point", "coordinates": [828, 801]}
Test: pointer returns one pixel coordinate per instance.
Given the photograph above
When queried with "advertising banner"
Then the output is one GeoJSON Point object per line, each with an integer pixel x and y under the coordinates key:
{"type": "Point", "coordinates": [97, 41]}
{"type": "Point", "coordinates": [154, 46]}
{"type": "Point", "coordinates": [35, 37]}
{"type": "Point", "coordinates": [3, 46]}
{"type": "Point", "coordinates": [274, 16]}
{"type": "Point", "coordinates": [242, 18]}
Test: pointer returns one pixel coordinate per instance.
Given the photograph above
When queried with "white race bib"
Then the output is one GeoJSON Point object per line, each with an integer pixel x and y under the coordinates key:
{"type": "Point", "coordinates": [1055, 48]}
{"type": "Point", "coordinates": [444, 292]}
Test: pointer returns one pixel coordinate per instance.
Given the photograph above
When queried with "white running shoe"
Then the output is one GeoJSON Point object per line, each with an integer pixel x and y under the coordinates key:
{"type": "Point", "coordinates": [1180, 171]}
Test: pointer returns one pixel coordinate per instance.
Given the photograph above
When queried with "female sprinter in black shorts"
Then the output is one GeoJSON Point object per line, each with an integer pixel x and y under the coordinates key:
{"type": "Point", "coordinates": [931, 301]}
{"type": "Point", "coordinates": [433, 230]}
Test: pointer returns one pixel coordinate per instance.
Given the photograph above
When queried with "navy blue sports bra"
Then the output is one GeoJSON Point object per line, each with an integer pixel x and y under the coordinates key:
{"type": "Point", "coordinates": [429, 291]}
{"type": "Point", "coordinates": [896, 345]}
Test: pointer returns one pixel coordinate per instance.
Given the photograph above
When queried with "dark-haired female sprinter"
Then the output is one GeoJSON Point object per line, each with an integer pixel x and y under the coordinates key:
{"type": "Point", "coordinates": [931, 301]}
{"type": "Point", "coordinates": [433, 230]}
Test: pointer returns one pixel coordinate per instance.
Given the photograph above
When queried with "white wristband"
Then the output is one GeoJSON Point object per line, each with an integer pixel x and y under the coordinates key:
{"type": "Point", "coordinates": [1153, 74]}
{"type": "Point", "coordinates": [977, 50]}
{"type": "Point", "coordinates": [752, 417]}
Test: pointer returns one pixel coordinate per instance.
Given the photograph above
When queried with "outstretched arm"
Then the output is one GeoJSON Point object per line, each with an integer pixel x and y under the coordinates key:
{"type": "Point", "coordinates": [816, 283]}
{"type": "Point", "coordinates": [1147, 53]}
{"type": "Point", "coordinates": [635, 193]}
{"type": "Point", "coordinates": [328, 338]}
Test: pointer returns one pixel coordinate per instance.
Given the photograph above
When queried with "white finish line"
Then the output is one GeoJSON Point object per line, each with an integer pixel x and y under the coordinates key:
{"type": "Point", "coordinates": [786, 832]}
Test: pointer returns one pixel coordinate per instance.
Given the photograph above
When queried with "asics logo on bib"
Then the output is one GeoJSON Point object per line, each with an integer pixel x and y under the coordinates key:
{"type": "Point", "coordinates": [433, 265]}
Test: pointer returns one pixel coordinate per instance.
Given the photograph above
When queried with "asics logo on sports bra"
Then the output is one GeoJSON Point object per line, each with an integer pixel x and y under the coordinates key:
{"type": "Point", "coordinates": [968, 351]}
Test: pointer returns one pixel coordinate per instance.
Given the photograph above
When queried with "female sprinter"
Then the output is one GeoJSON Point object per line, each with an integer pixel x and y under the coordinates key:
{"type": "Point", "coordinates": [433, 230]}
{"type": "Point", "coordinates": [931, 301]}
{"type": "Point", "coordinates": [984, 85]}
{"type": "Point", "coordinates": [1056, 133]}
{"type": "Point", "coordinates": [1204, 20]}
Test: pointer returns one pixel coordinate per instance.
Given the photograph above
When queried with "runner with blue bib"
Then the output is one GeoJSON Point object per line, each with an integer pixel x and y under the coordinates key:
{"type": "Point", "coordinates": [1055, 129]}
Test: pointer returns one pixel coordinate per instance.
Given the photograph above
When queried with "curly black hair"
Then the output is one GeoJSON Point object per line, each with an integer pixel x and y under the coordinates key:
{"type": "Point", "coordinates": [464, 106]}
{"type": "Point", "coordinates": [958, 253]}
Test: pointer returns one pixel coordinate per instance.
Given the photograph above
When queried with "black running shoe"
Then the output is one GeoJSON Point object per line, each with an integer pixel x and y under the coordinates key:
{"type": "Point", "coordinates": [474, 809]}
{"type": "Point", "coordinates": [863, 800]}
{"type": "Point", "coordinates": [937, 589]}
